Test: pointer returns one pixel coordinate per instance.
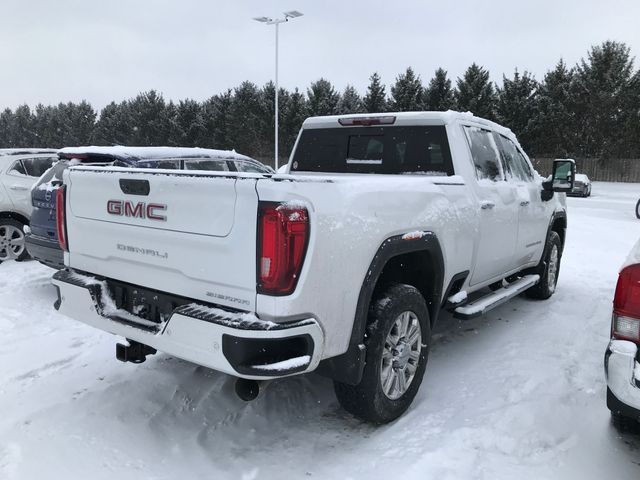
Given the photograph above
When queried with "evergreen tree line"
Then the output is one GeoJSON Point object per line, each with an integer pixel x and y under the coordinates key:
{"type": "Point", "coordinates": [589, 110]}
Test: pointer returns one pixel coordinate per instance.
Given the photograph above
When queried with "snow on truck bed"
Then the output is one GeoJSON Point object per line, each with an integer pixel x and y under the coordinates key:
{"type": "Point", "coordinates": [516, 394]}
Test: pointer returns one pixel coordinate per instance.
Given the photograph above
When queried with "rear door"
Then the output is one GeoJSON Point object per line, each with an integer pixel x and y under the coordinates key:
{"type": "Point", "coordinates": [21, 176]}
{"type": "Point", "coordinates": [497, 209]}
{"type": "Point", "coordinates": [533, 215]}
{"type": "Point", "coordinates": [187, 233]}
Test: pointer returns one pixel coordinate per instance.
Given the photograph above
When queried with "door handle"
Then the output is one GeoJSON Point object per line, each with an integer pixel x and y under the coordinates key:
{"type": "Point", "coordinates": [487, 205]}
{"type": "Point", "coordinates": [18, 187]}
{"type": "Point", "coordinates": [524, 203]}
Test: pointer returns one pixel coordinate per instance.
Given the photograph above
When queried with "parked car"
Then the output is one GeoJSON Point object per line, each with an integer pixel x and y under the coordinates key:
{"type": "Point", "coordinates": [622, 358]}
{"type": "Point", "coordinates": [581, 186]}
{"type": "Point", "coordinates": [340, 266]}
{"type": "Point", "coordinates": [19, 170]}
{"type": "Point", "coordinates": [42, 240]}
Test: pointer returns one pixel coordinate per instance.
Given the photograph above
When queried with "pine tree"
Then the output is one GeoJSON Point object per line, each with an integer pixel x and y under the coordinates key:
{"type": "Point", "coordinates": [603, 91]}
{"type": "Point", "coordinates": [79, 123]}
{"type": "Point", "coordinates": [46, 125]}
{"type": "Point", "coordinates": [6, 119]}
{"type": "Point", "coordinates": [350, 101]}
{"type": "Point", "coordinates": [150, 118]}
{"type": "Point", "coordinates": [475, 92]}
{"type": "Point", "coordinates": [21, 127]}
{"type": "Point", "coordinates": [554, 122]}
{"type": "Point", "coordinates": [322, 98]}
{"type": "Point", "coordinates": [189, 128]}
{"type": "Point", "coordinates": [294, 111]}
{"type": "Point", "coordinates": [375, 101]}
{"type": "Point", "coordinates": [244, 120]}
{"type": "Point", "coordinates": [438, 95]}
{"type": "Point", "coordinates": [266, 124]}
{"type": "Point", "coordinates": [407, 93]}
{"type": "Point", "coordinates": [215, 113]}
{"type": "Point", "coordinates": [114, 126]}
{"type": "Point", "coordinates": [516, 106]}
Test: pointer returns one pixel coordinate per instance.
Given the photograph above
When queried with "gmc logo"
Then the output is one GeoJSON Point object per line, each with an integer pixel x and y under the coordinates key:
{"type": "Point", "coordinates": [125, 208]}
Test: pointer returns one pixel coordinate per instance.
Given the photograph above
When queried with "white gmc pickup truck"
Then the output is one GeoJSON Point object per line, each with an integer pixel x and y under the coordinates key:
{"type": "Point", "coordinates": [341, 265]}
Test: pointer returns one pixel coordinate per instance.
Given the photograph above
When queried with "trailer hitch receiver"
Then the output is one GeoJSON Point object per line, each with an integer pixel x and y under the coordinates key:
{"type": "Point", "coordinates": [134, 352]}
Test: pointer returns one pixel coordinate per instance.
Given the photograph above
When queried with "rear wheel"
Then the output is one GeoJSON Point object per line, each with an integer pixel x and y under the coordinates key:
{"type": "Point", "coordinates": [397, 342]}
{"type": "Point", "coordinates": [12, 243]}
{"type": "Point", "coordinates": [548, 269]}
{"type": "Point", "coordinates": [625, 424]}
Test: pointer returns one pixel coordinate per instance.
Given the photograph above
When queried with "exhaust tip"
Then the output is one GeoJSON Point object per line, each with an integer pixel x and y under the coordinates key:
{"type": "Point", "coordinates": [247, 390]}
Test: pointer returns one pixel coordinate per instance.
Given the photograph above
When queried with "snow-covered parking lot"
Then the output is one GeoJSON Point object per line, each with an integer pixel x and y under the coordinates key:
{"type": "Point", "coordinates": [517, 394]}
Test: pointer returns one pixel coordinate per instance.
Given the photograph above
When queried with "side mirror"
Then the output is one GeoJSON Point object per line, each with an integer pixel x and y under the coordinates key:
{"type": "Point", "coordinates": [564, 174]}
{"type": "Point", "coordinates": [561, 180]}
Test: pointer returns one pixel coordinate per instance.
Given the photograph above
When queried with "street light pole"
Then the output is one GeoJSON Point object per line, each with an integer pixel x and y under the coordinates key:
{"type": "Point", "coordinates": [277, 22]}
{"type": "Point", "coordinates": [276, 101]}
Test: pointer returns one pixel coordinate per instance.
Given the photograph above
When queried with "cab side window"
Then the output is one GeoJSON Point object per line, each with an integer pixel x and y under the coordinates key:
{"type": "Point", "coordinates": [517, 167]}
{"type": "Point", "coordinates": [485, 154]}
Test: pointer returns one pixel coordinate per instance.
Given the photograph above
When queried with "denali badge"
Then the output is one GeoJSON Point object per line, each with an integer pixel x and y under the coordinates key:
{"type": "Point", "coordinates": [138, 210]}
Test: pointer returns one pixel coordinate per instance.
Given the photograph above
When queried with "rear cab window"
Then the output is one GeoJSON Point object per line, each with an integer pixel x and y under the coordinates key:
{"type": "Point", "coordinates": [384, 150]}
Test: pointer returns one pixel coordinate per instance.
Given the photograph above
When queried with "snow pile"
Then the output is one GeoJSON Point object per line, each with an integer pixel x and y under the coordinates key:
{"type": "Point", "coordinates": [234, 320]}
{"type": "Point", "coordinates": [108, 306]}
{"type": "Point", "coordinates": [459, 297]}
{"type": "Point", "coordinates": [285, 364]}
{"type": "Point", "coordinates": [415, 235]}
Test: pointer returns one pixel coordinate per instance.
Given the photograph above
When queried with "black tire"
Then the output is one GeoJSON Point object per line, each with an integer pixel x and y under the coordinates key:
{"type": "Point", "coordinates": [638, 209]}
{"type": "Point", "coordinates": [10, 222]}
{"type": "Point", "coordinates": [547, 284]}
{"type": "Point", "coordinates": [368, 400]}
{"type": "Point", "coordinates": [624, 424]}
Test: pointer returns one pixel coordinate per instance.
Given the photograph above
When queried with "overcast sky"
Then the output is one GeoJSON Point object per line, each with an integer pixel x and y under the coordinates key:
{"type": "Point", "coordinates": [98, 50]}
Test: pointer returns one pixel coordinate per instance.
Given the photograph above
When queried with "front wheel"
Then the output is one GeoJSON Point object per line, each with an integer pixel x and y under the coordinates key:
{"type": "Point", "coordinates": [397, 349]}
{"type": "Point", "coordinates": [12, 243]}
{"type": "Point", "coordinates": [638, 209]}
{"type": "Point", "coordinates": [548, 269]}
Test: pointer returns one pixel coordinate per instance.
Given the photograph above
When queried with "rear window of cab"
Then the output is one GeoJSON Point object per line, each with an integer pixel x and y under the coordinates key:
{"type": "Point", "coordinates": [385, 150]}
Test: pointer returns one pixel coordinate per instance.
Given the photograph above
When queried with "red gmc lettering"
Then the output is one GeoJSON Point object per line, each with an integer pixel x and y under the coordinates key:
{"type": "Point", "coordinates": [137, 210]}
{"type": "Point", "coordinates": [114, 207]}
{"type": "Point", "coordinates": [152, 207]}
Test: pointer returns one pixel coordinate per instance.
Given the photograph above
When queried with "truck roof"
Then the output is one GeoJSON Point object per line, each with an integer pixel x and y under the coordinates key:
{"type": "Point", "coordinates": [133, 153]}
{"type": "Point", "coordinates": [409, 118]}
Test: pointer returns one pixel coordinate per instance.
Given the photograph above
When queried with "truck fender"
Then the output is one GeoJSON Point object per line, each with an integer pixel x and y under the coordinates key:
{"type": "Point", "coordinates": [348, 367]}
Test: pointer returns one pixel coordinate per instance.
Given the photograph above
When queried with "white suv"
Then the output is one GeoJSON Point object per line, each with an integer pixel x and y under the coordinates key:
{"type": "Point", "coordinates": [19, 170]}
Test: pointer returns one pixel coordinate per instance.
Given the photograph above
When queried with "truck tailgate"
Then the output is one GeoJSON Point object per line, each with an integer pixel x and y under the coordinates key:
{"type": "Point", "coordinates": [187, 233]}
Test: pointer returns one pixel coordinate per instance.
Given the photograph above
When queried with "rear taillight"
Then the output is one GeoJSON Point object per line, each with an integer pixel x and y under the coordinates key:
{"type": "Point", "coordinates": [283, 233]}
{"type": "Point", "coordinates": [626, 305]}
{"type": "Point", "coordinates": [61, 222]}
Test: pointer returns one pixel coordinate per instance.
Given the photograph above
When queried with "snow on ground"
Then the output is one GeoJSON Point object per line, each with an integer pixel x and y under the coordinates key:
{"type": "Point", "coordinates": [519, 393]}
